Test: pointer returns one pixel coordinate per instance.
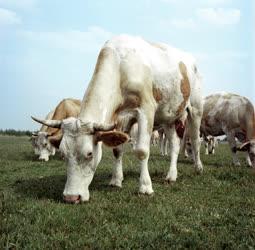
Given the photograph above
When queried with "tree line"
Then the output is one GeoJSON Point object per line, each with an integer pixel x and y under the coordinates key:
{"type": "Point", "coordinates": [15, 132]}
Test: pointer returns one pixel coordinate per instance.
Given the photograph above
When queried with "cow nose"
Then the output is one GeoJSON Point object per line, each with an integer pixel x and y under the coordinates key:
{"type": "Point", "coordinates": [74, 199]}
{"type": "Point", "coordinates": [43, 158]}
{"type": "Point", "coordinates": [88, 155]}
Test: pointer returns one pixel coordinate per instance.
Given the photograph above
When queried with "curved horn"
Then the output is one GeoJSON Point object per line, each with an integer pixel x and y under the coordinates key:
{"type": "Point", "coordinates": [244, 147]}
{"type": "Point", "coordinates": [102, 127]}
{"type": "Point", "coordinates": [34, 133]}
{"type": "Point", "coordinates": [49, 123]}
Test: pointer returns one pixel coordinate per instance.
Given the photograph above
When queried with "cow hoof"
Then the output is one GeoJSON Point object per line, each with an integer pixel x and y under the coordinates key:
{"type": "Point", "coordinates": [115, 183]}
{"type": "Point", "coordinates": [199, 169]}
{"type": "Point", "coordinates": [171, 177]}
{"type": "Point", "coordinates": [237, 164]}
{"type": "Point", "coordinates": [169, 181]}
{"type": "Point", "coordinates": [146, 190]}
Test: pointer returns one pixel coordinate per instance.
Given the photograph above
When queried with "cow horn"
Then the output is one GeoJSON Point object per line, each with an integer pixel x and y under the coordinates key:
{"type": "Point", "coordinates": [101, 127]}
{"type": "Point", "coordinates": [49, 123]}
{"type": "Point", "coordinates": [34, 134]}
{"type": "Point", "coordinates": [244, 147]}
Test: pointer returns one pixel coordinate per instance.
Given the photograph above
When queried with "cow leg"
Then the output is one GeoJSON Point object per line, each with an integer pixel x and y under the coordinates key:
{"type": "Point", "coordinates": [232, 144]}
{"type": "Point", "coordinates": [117, 172]}
{"type": "Point", "coordinates": [174, 142]}
{"type": "Point", "coordinates": [206, 147]}
{"type": "Point", "coordinates": [194, 121]}
{"type": "Point", "coordinates": [145, 119]}
{"type": "Point", "coordinates": [162, 144]}
{"type": "Point", "coordinates": [213, 151]}
{"type": "Point", "coordinates": [248, 160]}
{"type": "Point", "coordinates": [165, 145]}
{"type": "Point", "coordinates": [53, 151]}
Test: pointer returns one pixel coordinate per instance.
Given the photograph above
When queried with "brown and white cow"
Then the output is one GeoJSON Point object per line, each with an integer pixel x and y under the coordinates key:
{"type": "Point", "coordinates": [48, 139]}
{"type": "Point", "coordinates": [149, 83]}
{"type": "Point", "coordinates": [36, 139]}
{"type": "Point", "coordinates": [234, 116]}
{"type": "Point", "coordinates": [210, 143]}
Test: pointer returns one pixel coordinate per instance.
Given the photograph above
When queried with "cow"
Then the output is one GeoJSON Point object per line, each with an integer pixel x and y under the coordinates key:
{"type": "Point", "coordinates": [149, 83]}
{"type": "Point", "coordinates": [231, 115]}
{"type": "Point", "coordinates": [210, 143]}
{"type": "Point", "coordinates": [48, 139]}
{"type": "Point", "coordinates": [155, 138]}
{"type": "Point", "coordinates": [163, 142]}
{"type": "Point", "coordinates": [36, 138]}
{"type": "Point", "coordinates": [134, 133]}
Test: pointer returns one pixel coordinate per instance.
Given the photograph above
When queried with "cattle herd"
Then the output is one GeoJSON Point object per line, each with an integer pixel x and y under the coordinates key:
{"type": "Point", "coordinates": [139, 92]}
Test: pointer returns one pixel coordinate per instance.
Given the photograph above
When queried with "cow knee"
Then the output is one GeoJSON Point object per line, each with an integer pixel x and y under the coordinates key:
{"type": "Point", "coordinates": [141, 153]}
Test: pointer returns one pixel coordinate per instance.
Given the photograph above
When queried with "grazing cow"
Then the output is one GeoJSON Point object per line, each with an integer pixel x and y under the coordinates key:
{"type": "Point", "coordinates": [234, 116]}
{"type": "Point", "coordinates": [148, 83]}
{"type": "Point", "coordinates": [210, 143]}
{"type": "Point", "coordinates": [163, 142]}
{"type": "Point", "coordinates": [36, 138]}
{"type": "Point", "coordinates": [49, 138]}
{"type": "Point", "coordinates": [134, 133]}
{"type": "Point", "coordinates": [155, 137]}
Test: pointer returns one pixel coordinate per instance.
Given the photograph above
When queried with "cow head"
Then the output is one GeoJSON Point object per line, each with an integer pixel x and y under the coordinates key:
{"type": "Point", "coordinates": [42, 145]}
{"type": "Point", "coordinates": [81, 146]}
{"type": "Point", "coordinates": [211, 143]}
{"type": "Point", "coordinates": [249, 146]}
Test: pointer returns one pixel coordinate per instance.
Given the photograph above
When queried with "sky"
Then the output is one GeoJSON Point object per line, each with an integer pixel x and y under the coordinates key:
{"type": "Point", "coordinates": [48, 48]}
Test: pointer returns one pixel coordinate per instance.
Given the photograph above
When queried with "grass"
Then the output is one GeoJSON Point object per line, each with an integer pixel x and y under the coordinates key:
{"type": "Point", "coordinates": [215, 210]}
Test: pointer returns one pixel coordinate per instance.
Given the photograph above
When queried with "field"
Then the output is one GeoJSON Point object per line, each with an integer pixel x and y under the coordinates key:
{"type": "Point", "coordinates": [215, 210]}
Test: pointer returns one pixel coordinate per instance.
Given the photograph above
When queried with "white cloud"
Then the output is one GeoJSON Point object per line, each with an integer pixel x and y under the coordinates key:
{"type": "Point", "coordinates": [219, 16]}
{"type": "Point", "coordinates": [75, 40]}
{"type": "Point", "coordinates": [8, 17]}
{"type": "Point", "coordinates": [18, 4]}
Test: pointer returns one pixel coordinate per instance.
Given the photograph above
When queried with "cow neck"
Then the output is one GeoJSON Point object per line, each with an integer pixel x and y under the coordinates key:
{"type": "Point", "coordinates": [101, 99]}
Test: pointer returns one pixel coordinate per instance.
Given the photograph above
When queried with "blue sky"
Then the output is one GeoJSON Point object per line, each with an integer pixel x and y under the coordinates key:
{"type": "Point", "coordinates": [48, 48]}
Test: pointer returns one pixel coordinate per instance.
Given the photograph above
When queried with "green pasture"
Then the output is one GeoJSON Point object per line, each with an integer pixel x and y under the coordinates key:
{"type": "Point", "coordinates": [215, 210]}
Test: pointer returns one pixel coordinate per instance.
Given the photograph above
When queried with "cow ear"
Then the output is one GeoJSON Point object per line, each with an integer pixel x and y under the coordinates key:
{"type": "Point", "coordinates": [244, 147]}
{"type": "Point", "coordinates": [55, 140]}
{"type": "Point", "coordinates": [111, 138]}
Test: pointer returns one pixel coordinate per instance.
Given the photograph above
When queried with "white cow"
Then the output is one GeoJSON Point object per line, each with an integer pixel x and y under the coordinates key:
{"type": "Point", "coordinates": [149, 83]}
{"type": "Point", "coordinates": [234, 116]}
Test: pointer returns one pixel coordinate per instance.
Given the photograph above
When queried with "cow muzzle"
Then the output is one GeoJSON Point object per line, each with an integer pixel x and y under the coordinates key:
{"type": "Point", "coordinates": [72, 199]}
{"type": "Point", "coordinates": [44, 158]}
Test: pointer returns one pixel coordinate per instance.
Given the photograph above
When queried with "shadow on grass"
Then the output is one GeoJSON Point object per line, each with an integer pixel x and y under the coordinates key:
{"type": "Point", "coordinates": [50, 187]}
